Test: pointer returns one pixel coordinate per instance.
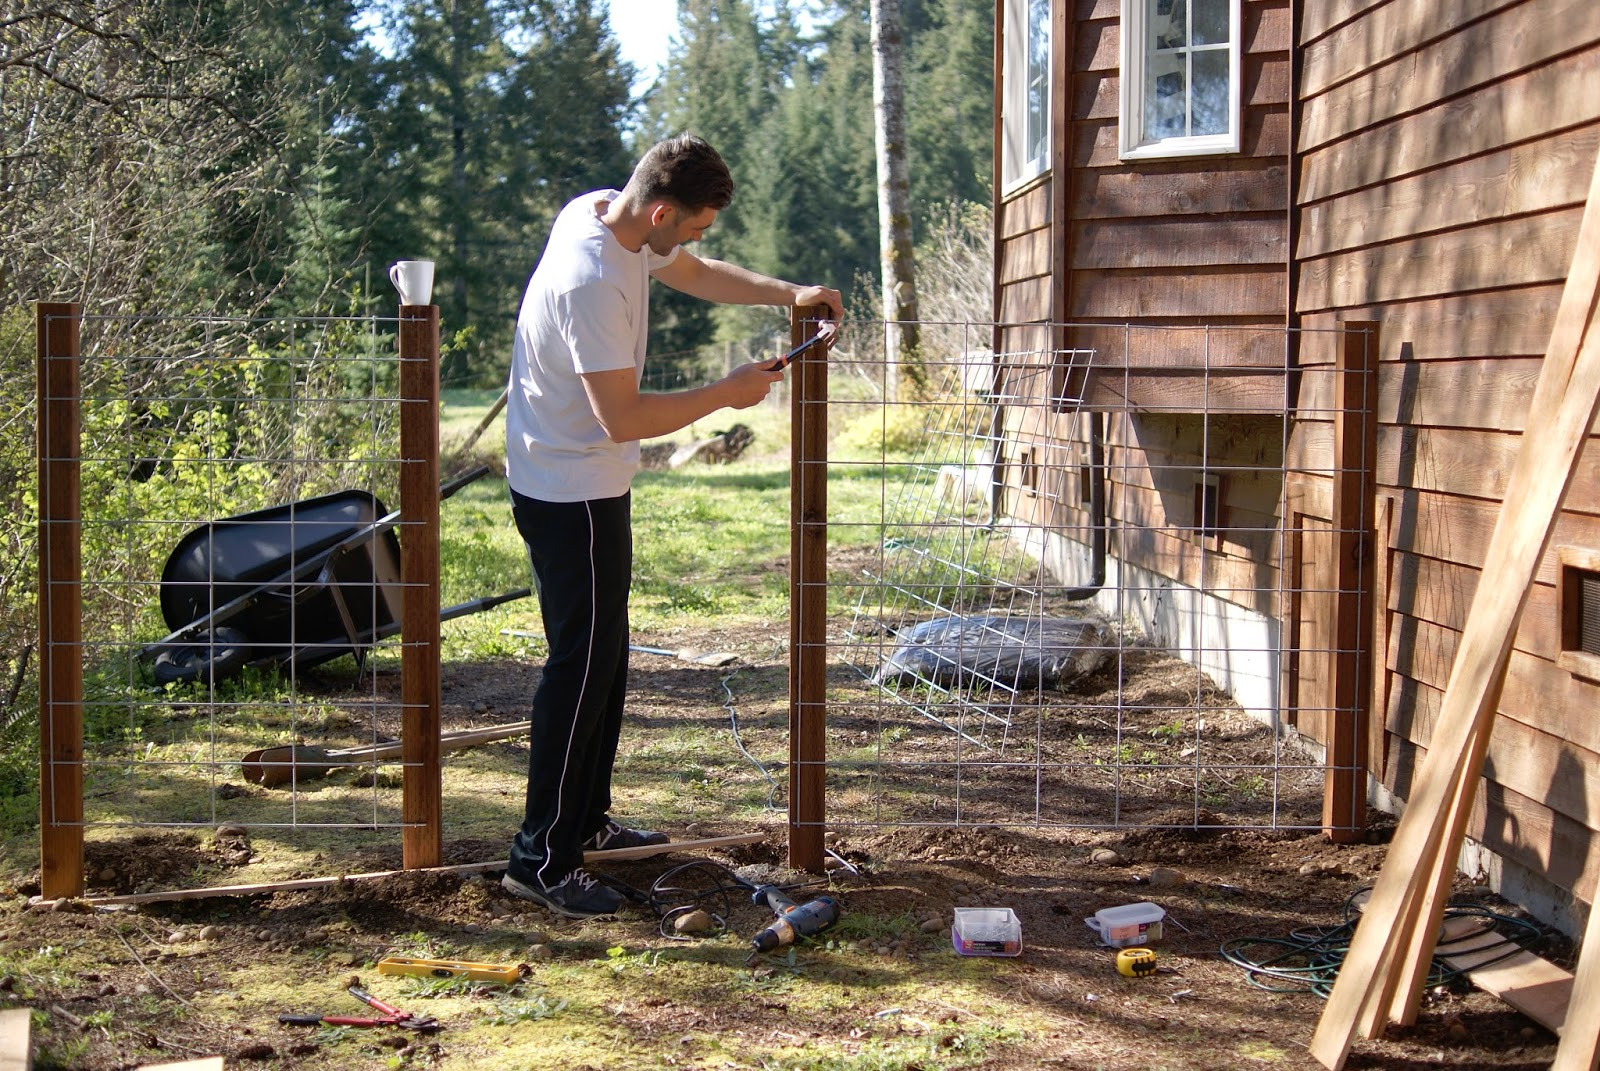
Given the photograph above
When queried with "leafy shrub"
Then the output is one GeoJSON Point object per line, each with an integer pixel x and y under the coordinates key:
{"type": "Point", "coordinates": [894, 431]}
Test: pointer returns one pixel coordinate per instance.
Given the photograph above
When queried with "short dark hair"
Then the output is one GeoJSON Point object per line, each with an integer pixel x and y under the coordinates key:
{"type": "Point", "coordinates": [684, 169]}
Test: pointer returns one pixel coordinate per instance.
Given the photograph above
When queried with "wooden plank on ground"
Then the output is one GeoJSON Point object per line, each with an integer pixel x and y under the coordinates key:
{"type": "Point", "coordinates": [590, 858]}
{"type": "Point", "coordinates": [1499, 966]}
{"type": "Point", "coordinates": [16, 1051]}
{"type": "Point", "coordinates": [203, 1063]}
{"type": "Point", "coordinates": [1400, 924]}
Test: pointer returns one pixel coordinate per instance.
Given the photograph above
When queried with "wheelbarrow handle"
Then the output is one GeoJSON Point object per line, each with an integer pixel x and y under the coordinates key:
{"type": "Point", "coordinates": [465, 479]}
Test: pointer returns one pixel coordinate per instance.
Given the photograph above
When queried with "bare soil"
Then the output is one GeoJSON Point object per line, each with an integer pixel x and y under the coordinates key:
{"type": "Point", "coordinates": [195, 977]}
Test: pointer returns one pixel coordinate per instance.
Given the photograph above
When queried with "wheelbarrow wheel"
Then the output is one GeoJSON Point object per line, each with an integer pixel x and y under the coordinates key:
{"type": "Point", "coordinates": [221, 655]}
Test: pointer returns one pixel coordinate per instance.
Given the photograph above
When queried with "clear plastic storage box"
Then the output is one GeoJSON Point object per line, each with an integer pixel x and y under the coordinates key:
{"type": "Point", "coordinates": [986, 931]}
{"type": "Point", "coordinates": [1128, 925]}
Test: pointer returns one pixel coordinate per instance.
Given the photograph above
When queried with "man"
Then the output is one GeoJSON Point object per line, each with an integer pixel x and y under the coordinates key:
{"type": "Point", "coordinates": [574, 418]}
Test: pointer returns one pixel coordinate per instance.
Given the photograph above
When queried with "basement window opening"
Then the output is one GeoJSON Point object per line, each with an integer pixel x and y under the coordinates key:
{"type": "Point", "coordinates": [1578, 598]}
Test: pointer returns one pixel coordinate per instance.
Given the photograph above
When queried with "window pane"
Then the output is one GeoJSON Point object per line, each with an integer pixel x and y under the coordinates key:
{"type": "Point", "coordinates": [1038, 111]}
{"type": "Point", "coordinates": [1210, 21]}
{"type": "Point", "coordinates": [1210, 93]}
{"type": "Point", "coordinates": [1167, 23]}
{"type": "Point", "coordinates": [1038, 79]}
{"type": "Point", "coordinates": [1164, 97]}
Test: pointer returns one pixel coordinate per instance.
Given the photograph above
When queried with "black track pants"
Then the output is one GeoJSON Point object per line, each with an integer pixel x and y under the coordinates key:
{"type": "Point", "coordinates": [583, 557]}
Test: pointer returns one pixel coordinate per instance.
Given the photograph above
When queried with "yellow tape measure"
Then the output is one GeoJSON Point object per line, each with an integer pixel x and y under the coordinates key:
{"type": "Point", "coordinates": [1136, 962]}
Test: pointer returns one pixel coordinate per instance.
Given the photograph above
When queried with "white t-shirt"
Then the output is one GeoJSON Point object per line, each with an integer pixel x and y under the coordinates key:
{"type": "Point", "coordinates": [586, 309]}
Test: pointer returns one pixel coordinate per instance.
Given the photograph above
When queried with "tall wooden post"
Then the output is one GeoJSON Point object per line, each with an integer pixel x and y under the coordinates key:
{"type": "Point", "coordinates": [422, 841]}
{"type": "Point", "coordinates": [1355, 449]}
{"type": "Point", "coordinates": [60, 602]}
{"type": "Point", "coordinates": [808, 592]}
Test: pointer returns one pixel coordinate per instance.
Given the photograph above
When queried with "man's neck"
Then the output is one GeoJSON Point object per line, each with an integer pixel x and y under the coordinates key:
{"type": "Point", "coordinates": [629, 224]}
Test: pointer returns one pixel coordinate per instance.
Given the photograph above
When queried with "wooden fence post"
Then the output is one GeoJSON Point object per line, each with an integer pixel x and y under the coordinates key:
{"type": "Point", "coordinates": [59, 328]}
{"type": "Point", "coordinates": [422, 840]}
{"type": "Point", "coordinates": [1355, 492]}
{"type": "Point", "coordinates": [808, 592]}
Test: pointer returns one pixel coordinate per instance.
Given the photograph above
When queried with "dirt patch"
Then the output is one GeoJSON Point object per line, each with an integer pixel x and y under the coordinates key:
{"type": "Point", "coordinates": [209, 976]}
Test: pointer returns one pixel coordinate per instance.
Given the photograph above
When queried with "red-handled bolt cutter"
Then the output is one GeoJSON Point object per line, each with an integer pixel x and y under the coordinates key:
{"type": "Point", "coordinates": [392, 1016]}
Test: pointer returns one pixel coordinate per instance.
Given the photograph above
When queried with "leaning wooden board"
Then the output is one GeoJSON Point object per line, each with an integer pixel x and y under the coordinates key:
{"type": "Point", "coordinates": [1580, 1049]}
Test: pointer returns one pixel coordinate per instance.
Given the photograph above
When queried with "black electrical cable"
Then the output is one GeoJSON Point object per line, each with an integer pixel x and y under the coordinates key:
{"type": "Point", "coordinates": [702, 885]}
{"type": "Point", "coordinates": [1308, 960]}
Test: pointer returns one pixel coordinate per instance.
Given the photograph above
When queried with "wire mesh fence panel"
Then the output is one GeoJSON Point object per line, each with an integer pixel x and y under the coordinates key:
{"type": "Point", "coordinates": [1068, 590]}
{"type": "Point", "coordinates": [237, 483]}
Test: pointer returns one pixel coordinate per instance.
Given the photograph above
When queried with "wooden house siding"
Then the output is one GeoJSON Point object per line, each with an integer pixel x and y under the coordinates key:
{"type": "Point", "coordinates": [1202, 242]}
{"type": "Point", "coordinates": [1193, 240]}
{"type": "Point", "coordinates": [1428, 176]}
{"type": "Point", "coordinates": [1442, 158]}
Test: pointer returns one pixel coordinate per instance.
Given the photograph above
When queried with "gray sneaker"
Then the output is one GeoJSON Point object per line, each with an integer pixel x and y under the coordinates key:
{"type": "Point", "coordinates": [616, 835]}
{"type": "Point", "coordinates": [577, 896]}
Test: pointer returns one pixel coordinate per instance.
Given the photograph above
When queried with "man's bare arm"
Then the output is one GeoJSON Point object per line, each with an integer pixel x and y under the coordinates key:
{"type": "Point", "coordinates": [627, 415]}
{"type": "Point", "coordinates": [717, 280]}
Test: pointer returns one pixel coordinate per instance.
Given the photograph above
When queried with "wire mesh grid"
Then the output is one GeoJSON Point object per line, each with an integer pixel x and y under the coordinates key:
{"type": "Point", "coordinates": [235, 532]}
{"type": "Point", "coordinates": [1058, 597]}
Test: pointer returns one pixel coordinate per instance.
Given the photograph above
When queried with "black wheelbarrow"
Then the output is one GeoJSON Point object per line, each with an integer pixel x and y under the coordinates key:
{"type": "Point", "coordinates": [292, 586]}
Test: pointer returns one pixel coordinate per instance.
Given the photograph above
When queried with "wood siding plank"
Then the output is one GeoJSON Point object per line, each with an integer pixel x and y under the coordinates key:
{"type": "Point", "coordinates": [1539, 765]}
{"type": "Point", "coordinates": [1025, 301]}
{"type": "Point", "coordinates": [1492, 255]}
{"type": "Point", "coordinates": [1026, 211]}
{"type": "Point", "coordinates": [1025, 256]}
{"type": "Point", "coordinates": [1477, 54]}
{"type": "Point", "coordinates": [1535, 177]}
{"type": "Point", "coordinates": [1181, 243]}
{"type": "Point", "coordinates": [1391, 29]}
{"type": "Point", "coordinates": [1536, 692]}
{"type": "Point", "coordinates": [1230, 186]}
{"type": "Point", "coordinates": [1219, 343]}
{"type": "Point", "coordinates": [1265, 137]}
{"type": "Point", "coordinates": [1196, 293]}
{"type": "Point", "coordinates": [1460, 461]}
{"type": "Point", "coordinates": [1325, 15]}
{"type": "Point", "coordinates": [1224, 391]}
{"type": "Point", "coordinates": [1531, 105]}
{"type": "Point", "coordinates": [1492, 324]}
{"type": "Point", "coordinates": [1523, 830]}
{"type": "Point", "coordinates": [1430, 589]}
{"type": "Point", "coordinates": [1457, 529]}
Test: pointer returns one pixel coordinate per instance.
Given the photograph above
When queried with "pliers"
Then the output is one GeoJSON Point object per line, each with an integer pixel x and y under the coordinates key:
{"type": "Point", "coordinates": [392, 1016]}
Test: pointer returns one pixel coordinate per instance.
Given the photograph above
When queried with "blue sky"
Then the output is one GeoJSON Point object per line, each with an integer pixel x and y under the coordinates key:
{"type": "Point", "coordinates": [644, 29]}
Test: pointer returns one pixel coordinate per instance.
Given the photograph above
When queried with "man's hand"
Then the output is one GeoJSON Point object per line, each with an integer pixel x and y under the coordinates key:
{"type": "Point", "coordinates": [748, 384]}
{"type": "Point", "coordinates": [823, 295]}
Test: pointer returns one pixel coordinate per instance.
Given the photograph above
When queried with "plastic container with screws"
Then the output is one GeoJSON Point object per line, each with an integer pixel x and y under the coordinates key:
{"type": "Point", "coordinates": [1128, 925]}
{"type": "Point", "coordinates": [986, 931]}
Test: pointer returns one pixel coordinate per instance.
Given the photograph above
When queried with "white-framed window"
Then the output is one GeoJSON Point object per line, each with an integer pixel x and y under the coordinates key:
{"type": "Point", "coordinates": [1180, 78]}
{"type": "Point", "coordinates": [1025, 107]}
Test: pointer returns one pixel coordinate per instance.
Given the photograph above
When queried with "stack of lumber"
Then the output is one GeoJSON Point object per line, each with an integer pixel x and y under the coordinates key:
{"type": "Point", "coordinates": [1382, 976]}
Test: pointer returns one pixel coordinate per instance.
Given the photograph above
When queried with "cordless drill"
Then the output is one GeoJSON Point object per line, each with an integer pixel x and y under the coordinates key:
{"type": "Point", "coordinates": [794, 920]}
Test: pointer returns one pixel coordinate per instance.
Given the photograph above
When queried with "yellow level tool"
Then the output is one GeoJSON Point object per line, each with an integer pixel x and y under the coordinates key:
{"type": "Point", "coordinates": [452, 968]}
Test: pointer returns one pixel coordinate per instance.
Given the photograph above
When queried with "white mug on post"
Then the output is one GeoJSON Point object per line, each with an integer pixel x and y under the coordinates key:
{"type": "Point", "coordinates": [414, 280]}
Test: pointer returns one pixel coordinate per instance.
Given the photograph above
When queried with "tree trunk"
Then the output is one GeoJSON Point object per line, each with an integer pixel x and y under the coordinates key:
{"type": "Point", "coordinates": [901, 357]}
{"type": "Point", "coordinates": [455, 364]}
